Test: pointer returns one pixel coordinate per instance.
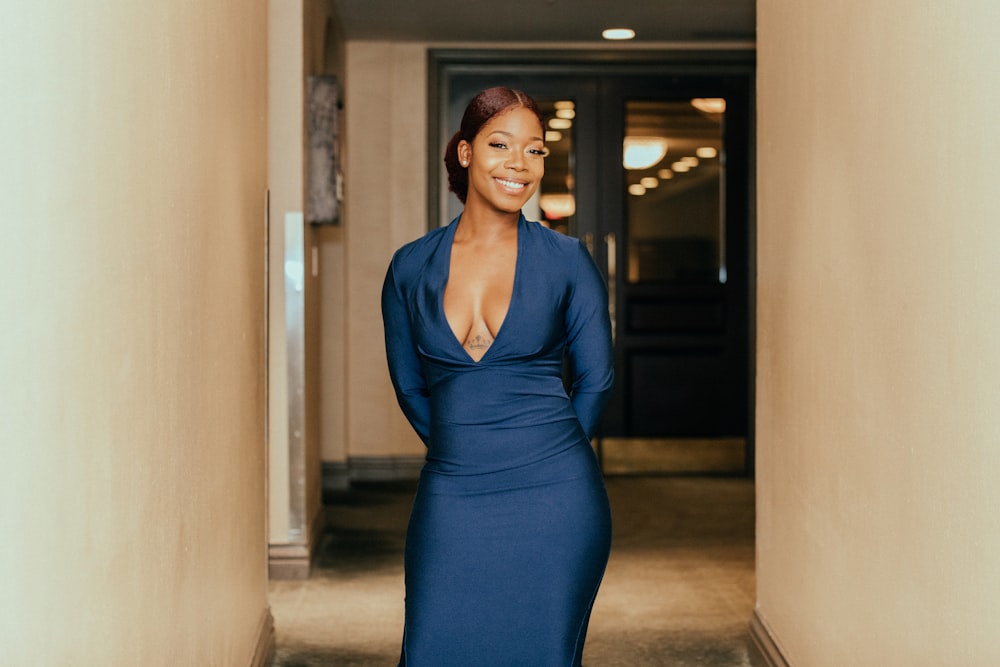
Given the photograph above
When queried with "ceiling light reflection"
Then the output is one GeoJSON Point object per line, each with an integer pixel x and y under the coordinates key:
{"type": "Point", "coordinates": [643, 152]}
{"type": "Point", "coordinates": [709, 104]}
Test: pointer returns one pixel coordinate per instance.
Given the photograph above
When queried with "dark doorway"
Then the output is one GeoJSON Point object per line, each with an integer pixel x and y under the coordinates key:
{"type": "Point", "coordinates": [651, 166]}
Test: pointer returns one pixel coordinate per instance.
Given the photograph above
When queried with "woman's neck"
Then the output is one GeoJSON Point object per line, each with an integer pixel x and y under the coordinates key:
{"type": "Point", "coordinates": [485, 225]}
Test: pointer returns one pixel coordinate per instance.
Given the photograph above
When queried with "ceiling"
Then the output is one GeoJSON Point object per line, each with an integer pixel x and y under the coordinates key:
{"type": "Point", "coordinates": [576, 21]}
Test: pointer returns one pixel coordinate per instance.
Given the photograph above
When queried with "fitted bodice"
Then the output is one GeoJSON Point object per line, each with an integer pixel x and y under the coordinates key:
{"type": "Point", "coordinates": [511, 407]}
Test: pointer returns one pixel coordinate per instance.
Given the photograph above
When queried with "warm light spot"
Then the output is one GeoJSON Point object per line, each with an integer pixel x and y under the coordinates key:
{"type": "Point", "coordinates": [560, 205]}
{"type": "Point", "coordinates": [560, 123]}
{"type": "Point", "coordinates": [706, 152]}
{"type": "Point", "coordinates": [649, 182]}
{"type": "Point", "coordinates": [680, 167]}
{"type": "Point", "coordinates": [665, 174]}
{"type": "Point", "coordinates": [709, 104]}
{"type": "Point", "coordinates": [552, 136]}
{"type": "Point", "coordinates": [636, 189]}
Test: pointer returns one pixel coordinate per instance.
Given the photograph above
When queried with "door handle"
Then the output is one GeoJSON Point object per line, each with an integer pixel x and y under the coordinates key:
{"type": "Point", "coordinates": [611, 246]}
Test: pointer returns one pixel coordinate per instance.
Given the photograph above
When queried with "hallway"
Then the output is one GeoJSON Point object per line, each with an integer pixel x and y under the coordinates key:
{"type": "Point", "coordinates": [679, 589]}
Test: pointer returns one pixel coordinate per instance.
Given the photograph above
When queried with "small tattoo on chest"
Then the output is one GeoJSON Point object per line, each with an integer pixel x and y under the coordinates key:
{"type": "Point", "coordinates": [478, 342]}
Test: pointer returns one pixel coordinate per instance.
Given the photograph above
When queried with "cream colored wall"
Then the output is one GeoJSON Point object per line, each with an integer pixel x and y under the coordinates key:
{"type": "Point", "coordinates": [297, 49]}
{"type": "Point", "coordinates": [385, 206]}
{"type": "Point", "coordinates": [325, 55]}
{"type": "Point", "coordinates": [131, 401]}
{"type": "Point", "coordinates": [879, 306]}
{"type": "Point", "coordinates": [285, 187]}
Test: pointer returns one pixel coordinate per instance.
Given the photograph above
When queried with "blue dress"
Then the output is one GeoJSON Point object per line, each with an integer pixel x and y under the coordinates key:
{"type": "Point", "coordinates": [510, 529]}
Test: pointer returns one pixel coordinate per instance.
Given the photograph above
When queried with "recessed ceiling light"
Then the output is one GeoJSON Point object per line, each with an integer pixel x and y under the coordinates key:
{"type": "Point", "coordinates": [618, 33]}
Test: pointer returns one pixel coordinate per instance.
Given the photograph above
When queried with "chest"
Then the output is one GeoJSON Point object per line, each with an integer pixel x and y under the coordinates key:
{"type": "Point", "coordinates": [480, 287]}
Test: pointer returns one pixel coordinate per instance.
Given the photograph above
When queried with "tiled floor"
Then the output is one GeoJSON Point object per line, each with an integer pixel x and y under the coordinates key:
{"type": "Point", "coordinates": [679, 589]}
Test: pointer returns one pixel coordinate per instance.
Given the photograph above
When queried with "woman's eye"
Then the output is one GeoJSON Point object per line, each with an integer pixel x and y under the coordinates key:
{"type": "Point", "coordinates": [498, 145]}
{"type": "Point", "coordinates": [539, 152]}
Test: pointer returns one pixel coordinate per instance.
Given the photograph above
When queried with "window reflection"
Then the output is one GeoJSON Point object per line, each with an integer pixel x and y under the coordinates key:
{"type": "Point", "coordinates": [555, 202]}
{"type": "Point", "coordinates": [675, 207]}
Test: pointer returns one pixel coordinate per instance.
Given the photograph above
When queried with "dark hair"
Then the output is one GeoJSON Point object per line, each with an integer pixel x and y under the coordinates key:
{"type": "Point", "coordinates": [483, 107]}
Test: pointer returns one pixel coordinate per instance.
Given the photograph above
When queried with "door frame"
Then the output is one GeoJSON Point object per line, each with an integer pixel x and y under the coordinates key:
{"type": "Point", "coordinates": [737, 61]}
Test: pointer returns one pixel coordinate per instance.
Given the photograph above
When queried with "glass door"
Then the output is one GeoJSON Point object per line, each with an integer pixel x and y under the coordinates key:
{"type": "Point", "coordinates": [677, 234]}
{"type": "Point", "coordinates": [652, 173]}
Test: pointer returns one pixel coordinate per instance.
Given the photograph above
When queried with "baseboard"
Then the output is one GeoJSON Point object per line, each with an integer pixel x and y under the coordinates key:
{"type": "Point", "coordinates": [714, 456]}
{"type": "Point", "coordinates": [263, 652]}
{"type": "Point", "coordinates": [337, 476]}
{"type": "Point", "coordinates": [289, 561]}
{"type": "Point", "coordinates": [764, 651]}
{"type": "Point", "coordinates": [293, 560]}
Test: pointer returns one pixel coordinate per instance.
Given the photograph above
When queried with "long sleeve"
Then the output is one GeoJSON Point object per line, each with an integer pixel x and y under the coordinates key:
{"type": "Point", "coordinates": [588, 340]}
{"type": "Point", "coordinates": [405, 368]}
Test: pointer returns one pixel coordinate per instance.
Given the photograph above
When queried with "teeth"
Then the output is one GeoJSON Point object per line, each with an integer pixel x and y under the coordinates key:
{"type": "Point", "coordinates": [509, 184]}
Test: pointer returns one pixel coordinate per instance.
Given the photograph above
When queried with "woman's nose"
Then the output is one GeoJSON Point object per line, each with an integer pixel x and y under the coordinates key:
{"type": "Point", "coordinates": [515, 160]}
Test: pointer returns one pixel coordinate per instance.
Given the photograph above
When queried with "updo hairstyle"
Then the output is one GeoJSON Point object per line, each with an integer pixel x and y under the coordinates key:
{"type": "Point", "coordinates": [483, 108]}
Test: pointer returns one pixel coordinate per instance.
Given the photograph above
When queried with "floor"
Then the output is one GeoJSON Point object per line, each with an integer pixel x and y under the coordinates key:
{"type": "Point", "coordinates": [679, 588]}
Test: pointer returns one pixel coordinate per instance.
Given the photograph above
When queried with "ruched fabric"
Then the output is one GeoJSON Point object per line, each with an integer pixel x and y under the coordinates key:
{"type": "Point", "coordinates": [510, 529]}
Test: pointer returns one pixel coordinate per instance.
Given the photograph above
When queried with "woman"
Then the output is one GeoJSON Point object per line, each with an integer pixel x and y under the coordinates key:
{"type": "Point", "coordinates": [510, 529]}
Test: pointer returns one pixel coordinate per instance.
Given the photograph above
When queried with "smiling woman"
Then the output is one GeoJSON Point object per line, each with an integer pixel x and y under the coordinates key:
{"type": "Point", "coordinates": [510, 529]}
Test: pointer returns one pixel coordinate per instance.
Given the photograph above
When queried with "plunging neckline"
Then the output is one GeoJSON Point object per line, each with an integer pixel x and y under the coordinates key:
{"type": "Point", "coordinates": [450, 242]}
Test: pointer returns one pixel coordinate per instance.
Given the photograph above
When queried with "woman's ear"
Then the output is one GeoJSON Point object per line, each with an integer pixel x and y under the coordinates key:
{"type": "Point", "coordinates": [464, 153]}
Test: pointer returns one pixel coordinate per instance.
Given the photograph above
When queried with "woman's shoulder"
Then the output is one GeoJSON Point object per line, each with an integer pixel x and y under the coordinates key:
{"type": "Point", "coordinates": [557, 248]}
{"type": "Point", "coordinates": [553, 240]}
{"type": "Point", "coordinates": [413, 256]}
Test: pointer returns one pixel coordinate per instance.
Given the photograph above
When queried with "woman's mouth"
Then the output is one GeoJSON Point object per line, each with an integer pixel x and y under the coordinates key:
{"type": "Point", "coordinates": [513, 186]}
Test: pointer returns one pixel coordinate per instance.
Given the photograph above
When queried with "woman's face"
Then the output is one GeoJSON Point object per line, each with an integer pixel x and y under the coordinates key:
{"type": "Point", "coordinates": [505, 160]}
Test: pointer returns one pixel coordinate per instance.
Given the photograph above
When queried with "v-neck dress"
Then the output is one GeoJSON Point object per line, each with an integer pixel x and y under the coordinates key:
{"type": "Point", "coordinates": [510, 529]}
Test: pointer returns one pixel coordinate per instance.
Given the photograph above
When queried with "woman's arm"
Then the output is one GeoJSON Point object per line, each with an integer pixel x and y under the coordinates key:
{"type": "Point", "coordinates": [405, 368]}
{"type": "Point", "coordinates": [589, 350]}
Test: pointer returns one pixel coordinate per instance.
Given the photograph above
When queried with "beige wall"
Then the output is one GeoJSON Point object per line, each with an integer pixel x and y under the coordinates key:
{"type": "Point", "coordinates": [878, 312]}
{"type": "Point", "coordinates": [131, 293]}
{"type": "Point", "coordinates": [385, 206]}
{"type": "Point", "coordinates": [285, 190]}
{"type": "Point", "coordinates": [302, 42]}
{"type": "Point", "coordinates": [325, 55]}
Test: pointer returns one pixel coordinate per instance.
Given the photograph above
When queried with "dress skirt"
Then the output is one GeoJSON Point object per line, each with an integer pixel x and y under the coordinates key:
{"type": "Point", "coordinates": [503, 570]}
